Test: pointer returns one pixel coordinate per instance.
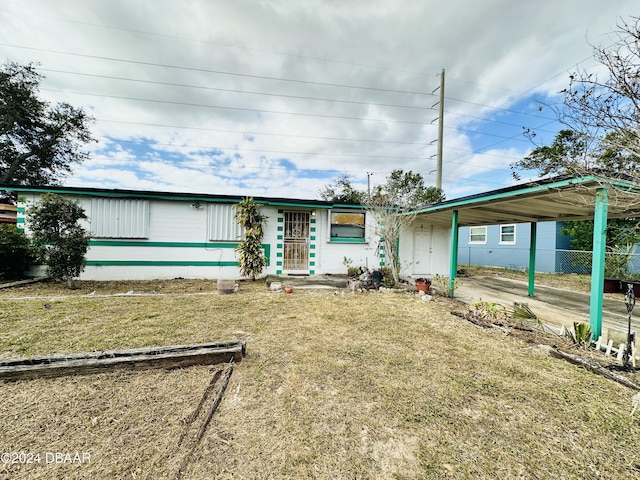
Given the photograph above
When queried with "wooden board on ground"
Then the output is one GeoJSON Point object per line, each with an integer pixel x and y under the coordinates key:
{"type": "Point", "coordinates": [139, 358]}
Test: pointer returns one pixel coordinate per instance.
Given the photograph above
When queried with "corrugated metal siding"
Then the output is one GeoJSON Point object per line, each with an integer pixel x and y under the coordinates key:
{"type": "Point", "coordinates": [117, 218]}
{"type": "Point", "coordinates": [222, 223]}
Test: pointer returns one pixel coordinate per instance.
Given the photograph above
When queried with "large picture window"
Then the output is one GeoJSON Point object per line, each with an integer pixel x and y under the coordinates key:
{"type": "Point", "coordinates": [119, 218]}
{"type": "Point", "coordinates": [347, 226]}
{"type": "Point", "coordinates": [478, 235]}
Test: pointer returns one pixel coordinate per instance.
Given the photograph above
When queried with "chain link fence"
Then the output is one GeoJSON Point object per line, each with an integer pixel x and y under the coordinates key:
{"type": "Point", "coordinates": [549, 261]}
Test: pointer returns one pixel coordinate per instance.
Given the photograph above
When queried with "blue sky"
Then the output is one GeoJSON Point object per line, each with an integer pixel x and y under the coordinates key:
{"type": "Point", "coordinates": [277, 98]}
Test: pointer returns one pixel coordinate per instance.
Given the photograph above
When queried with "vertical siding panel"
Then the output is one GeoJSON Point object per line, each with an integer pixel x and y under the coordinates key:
{"type": "Point", "coordinates": [117, 218]}
{"type": "Point", "coordinates": [222, 223]}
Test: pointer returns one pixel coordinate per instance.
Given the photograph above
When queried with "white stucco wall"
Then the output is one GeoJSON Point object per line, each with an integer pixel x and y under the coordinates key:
{"type": "Point", "coordinates": [178, 245]}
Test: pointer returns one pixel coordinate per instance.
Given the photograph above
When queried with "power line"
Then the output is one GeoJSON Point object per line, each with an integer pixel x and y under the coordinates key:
{"type": "Point", "coordinates": [243, 109]}
{"type": "Point", "coordinates": [244, 132]}
{"type": "Point", "coordinates": [260, 150]}
{"type": "Point", "coordinates": [153, 82]}
{"type": "Point", "coordinates": [297, 97]}
{"type": "Point", "coordinates": [228, 45]}
{"type": "Point", "coordinates": [218, 72]}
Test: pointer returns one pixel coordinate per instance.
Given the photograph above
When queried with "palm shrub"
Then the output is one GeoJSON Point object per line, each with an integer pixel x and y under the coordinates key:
{"type": "Point", "coordinates": [250, 254]}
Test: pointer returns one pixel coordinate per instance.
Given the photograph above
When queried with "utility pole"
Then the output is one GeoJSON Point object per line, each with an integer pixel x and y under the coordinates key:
{"type": "Point", "coordinates": [369, 184]}
{"type": "Point", "coordinates": [440, 129]}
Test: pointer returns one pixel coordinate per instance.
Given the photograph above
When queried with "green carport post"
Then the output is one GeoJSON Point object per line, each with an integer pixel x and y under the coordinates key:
{"type": "Point", "coordinates": [597, 263]}
{"type": "Point", "coordinates": [532, 259]}
{"type": "Point", "coordinates": [453, 262]}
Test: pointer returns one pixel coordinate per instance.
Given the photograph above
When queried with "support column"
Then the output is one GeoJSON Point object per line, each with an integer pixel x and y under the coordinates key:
{"type": "Point", "coordinates": [453, 262]}
{"type": "Point", "coordinates": [597, 262]}
{"type": "Point", "coordinates": [532, 259]}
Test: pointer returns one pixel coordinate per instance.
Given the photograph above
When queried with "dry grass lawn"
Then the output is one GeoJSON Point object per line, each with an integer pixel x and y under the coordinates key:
{"type": "Point", "coordinates": [366, 386]}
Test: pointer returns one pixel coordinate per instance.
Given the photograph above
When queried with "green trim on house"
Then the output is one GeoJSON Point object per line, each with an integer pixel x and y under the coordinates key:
{"type": "Point", "coordinates": [145, 243]}
{"type": "Point", "coordinates": [347, 240]}
{"type": "Point", "coordinates": [142, 243]}
{"type": "Point", "coordinates": [21, 210]}
{"type": "Point", "coordinates": [159, 263]}
{"type": "Point", "coordinates": [20, 220]}
{"type": "Point", "coordinates": [276, 202]}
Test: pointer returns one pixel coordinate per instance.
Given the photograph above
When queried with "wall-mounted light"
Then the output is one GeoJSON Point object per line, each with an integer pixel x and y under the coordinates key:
{"type": "Point", "coordinates": [196, 205]}
{"type": "Point", "coordinates": [313, 213]}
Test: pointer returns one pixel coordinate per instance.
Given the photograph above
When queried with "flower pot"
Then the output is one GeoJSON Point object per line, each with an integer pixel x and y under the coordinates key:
{"type": "Point", "coordinates": [225, 287]}
{"type": "Point", "coordinates": [423, 285]}
{"type": "Point", "coordinates": [288, 289]}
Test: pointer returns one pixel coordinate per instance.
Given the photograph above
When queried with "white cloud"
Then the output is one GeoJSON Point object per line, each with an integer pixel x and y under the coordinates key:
{"type": "Point", "coordinates": [203, 76]}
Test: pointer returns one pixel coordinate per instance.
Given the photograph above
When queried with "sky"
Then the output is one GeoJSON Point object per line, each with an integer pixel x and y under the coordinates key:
{"type": "Point", "coordinates": [277, 98]}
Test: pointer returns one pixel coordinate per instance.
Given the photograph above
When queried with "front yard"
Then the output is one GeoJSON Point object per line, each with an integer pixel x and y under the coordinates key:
{"type": "Point", "coordinates": [379, 386]}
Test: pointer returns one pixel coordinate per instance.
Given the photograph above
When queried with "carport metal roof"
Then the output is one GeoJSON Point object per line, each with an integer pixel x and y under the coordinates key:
{"type": "Point", "coordinates": [591, 197]}
{"type": "Point", "coordinates": [555, 199]}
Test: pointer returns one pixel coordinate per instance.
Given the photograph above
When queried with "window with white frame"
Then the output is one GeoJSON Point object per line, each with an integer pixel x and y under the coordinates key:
{"type": "Point", "coordinates": [507, 234]}
{"type": "Point", "coordinates": [347, 226]}
{"type": "Point", "coordinates": [478, 235]}
{"type": "Point", "coordinates": [222, 224]}
{"type": "Point", "coordinates": [119, 218]}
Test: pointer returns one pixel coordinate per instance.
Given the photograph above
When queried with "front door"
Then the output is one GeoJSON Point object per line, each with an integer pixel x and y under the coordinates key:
{"type": "Point", "coordinates": [422, 249]}
{"type": "Point", "coordinates": [296, 242]}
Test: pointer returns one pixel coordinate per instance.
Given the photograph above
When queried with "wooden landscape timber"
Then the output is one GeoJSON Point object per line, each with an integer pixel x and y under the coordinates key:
{"type": "Point", "coordinates": [592, 367]}
{"type": "Point", "coordinates": [138, 358]}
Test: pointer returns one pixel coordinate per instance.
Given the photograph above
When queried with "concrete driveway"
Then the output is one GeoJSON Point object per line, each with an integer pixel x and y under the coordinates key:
{"type": "Point", "coordinates": [551, 305]}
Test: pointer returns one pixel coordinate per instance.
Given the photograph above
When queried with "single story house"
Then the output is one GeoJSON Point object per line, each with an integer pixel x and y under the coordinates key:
{"type": "Point", "coordinates": [140, 235]}
{"type": "Point", "coordinates": [166, 235]}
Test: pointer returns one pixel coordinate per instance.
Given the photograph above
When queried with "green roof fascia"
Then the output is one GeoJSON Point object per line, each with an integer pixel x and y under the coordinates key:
{"type": "Point", "coordinates": [280, 202]}
{"type": "Point", "coordinates": [516, 192]}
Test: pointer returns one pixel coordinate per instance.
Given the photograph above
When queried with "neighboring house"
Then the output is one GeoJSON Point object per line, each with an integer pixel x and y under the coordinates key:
{"type": "Point", "coordinates": [8, 213]}
{"type": "Point", "coordinates": [153, 235]}
{"type": "Point", "coordinates": [508, 245]}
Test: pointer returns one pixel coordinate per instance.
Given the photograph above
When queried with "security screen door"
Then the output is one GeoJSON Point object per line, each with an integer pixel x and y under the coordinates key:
{"type": "Point", "coordinates": [296, 241]}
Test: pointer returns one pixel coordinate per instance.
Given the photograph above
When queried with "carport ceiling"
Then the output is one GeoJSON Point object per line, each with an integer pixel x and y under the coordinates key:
{"type": "Point", "coordinates": [555, 199]}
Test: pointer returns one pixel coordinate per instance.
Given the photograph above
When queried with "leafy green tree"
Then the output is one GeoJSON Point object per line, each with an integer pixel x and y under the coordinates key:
{"type": "Point", "coordinates": [393, 206]}
{"type": "Point", "coordinates": [250, 254]}
{"type": "Point", "coordinates": [342, 191]}
{"type": "Point", "coordinates": [620, 231]}
{"type": "Point", "coordinates": [39, 142]}
{"type": "Point", "coordinates": [15, 252]}
{"type": "Point", "coordinates": [572, 153]}
{"type": "Point", "coordinates": [54, 223]}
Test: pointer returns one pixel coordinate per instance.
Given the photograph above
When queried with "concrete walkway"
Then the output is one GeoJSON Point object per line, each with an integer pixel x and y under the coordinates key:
{"type": "Point", "coordinates": [552, 305]}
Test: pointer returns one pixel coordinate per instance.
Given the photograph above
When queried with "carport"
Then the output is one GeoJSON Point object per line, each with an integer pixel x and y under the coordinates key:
{"type": "Point", "coordinates": [555, 199]}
